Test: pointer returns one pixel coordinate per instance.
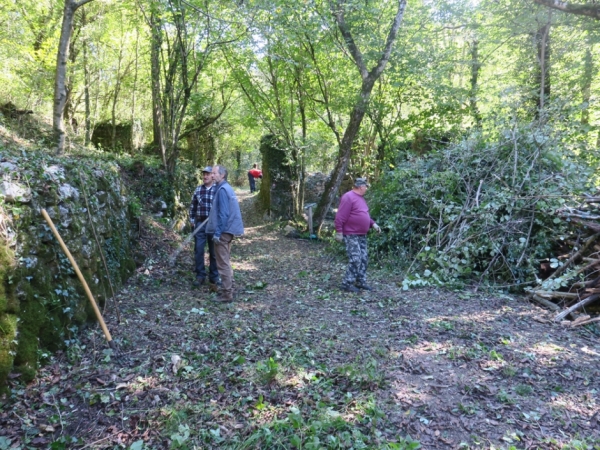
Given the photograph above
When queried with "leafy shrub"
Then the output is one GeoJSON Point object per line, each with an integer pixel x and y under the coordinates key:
{"type": "Point", "coordinates": [478, 208]}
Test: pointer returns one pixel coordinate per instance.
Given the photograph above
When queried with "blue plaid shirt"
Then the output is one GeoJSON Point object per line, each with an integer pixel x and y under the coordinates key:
{"type": "Point", "coordinates": [201, 203]}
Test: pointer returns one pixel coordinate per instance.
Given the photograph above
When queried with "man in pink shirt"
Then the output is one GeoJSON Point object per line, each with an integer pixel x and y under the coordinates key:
{"type": "Point", "coordinates": [352, 223]}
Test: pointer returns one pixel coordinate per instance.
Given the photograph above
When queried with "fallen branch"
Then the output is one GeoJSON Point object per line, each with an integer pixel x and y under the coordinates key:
{"type": "Point", "coordinates": [570, 261]}
{"type": "Point", "coordinates": [591, 225]}
{"type": "Point", "coordinates": [585, 322]}
{"type": "Point", "coordinates": [555, 294]}
{"type": "Point", "coordinates": [586, 284]}
{"type": "Point", "coordinates": [576, 306]}
{"type": "Point", "coordinates": [546, 303]}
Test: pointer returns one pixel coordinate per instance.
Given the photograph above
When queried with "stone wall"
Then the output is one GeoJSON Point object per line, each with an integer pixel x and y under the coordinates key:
{"type": "Point", "coordinates": [41, 300]}
{"type": "Point", "coordinates": [314, 187]}
{"type": "Point", "coordinates": [128, 136]}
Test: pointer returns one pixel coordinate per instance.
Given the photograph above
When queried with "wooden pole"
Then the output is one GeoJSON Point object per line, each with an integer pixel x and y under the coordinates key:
{"type": "Point", "coordinates": [80, 276]}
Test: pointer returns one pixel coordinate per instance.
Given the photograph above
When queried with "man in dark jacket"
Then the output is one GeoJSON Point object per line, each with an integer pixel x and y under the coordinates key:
{"type": "Point", "coordinates": [352, 223]}
{"type": "Point", "coordinates": [199, 211]}
{"type": "Point", "coordinates": [224, 223]}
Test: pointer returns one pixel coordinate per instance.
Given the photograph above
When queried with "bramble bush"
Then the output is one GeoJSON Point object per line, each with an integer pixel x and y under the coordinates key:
{"type": "Point", "coordinates": [478, 210]}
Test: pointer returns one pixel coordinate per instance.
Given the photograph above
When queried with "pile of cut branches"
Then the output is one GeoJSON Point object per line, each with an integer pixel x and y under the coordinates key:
{"type": "Point", "coordinates": [481, 210]}
{"type": "Point", "coordinates": [574, 284]}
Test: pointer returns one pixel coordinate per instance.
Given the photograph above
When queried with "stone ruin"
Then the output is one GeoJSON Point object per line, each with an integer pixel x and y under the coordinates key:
{"type": "Point", "coordinates": [128, 136]}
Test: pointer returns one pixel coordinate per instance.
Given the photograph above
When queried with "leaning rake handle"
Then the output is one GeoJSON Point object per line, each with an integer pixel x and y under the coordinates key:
{"type": "Point", "coordinates": [80, 276]}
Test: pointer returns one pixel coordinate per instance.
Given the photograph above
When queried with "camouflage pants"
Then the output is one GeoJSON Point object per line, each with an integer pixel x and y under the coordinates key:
{"type": "Point", "coordinates": [356, 248]}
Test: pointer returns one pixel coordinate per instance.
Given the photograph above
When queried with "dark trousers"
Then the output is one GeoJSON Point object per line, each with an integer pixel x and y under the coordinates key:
{"type": "Point", "coordinates": [201, 240]}
{"type": "Point", "coordinates": [252, 183]}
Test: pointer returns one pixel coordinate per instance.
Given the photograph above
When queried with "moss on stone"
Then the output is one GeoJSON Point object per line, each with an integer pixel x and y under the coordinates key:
{"type": "Point", "coordinates": [8, 320]}
{"type": "Point", "coordinates": [8, 332]}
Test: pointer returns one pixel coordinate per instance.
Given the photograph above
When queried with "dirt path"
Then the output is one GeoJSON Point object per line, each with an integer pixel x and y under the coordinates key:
{"type": "Point", "coordinates": [295, 363]}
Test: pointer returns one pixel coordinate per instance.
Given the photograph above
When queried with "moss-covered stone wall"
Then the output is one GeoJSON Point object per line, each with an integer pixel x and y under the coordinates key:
{"type": "Point", "coordinates": [41, 300]}
{"type": "Point", "coordinates": [275, 194]}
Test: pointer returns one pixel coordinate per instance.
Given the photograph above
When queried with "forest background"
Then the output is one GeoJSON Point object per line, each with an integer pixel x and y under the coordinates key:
{"type": "Point", "coordinates": [477, 124]}
{"type": "Point", "coordinates": [476, 121]}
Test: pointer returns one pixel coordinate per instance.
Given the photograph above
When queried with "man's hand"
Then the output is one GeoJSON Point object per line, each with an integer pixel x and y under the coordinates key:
{"type": "Point", "coordinates": [217, 239]}
{"type": "Point", "coordinates": [339, 237]}
{"type": "Point", "coordinates": [377, 228]}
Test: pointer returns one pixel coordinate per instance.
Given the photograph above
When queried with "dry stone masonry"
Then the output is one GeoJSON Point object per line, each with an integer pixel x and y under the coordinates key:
{"type": "Point", "coordinates": [41, 300]}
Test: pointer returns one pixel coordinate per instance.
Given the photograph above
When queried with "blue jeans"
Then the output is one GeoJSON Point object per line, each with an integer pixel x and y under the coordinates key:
{"type": "Point", "coordinates": [202, 239]}
{"type": "Point", "coordinates": [252, 182]}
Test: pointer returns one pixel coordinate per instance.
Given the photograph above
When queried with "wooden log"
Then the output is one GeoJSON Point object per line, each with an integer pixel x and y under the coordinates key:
{"type": "Point", "coordinates": [546, 303]}
{"type": "Point", "coordinates": [594, 226]}
{"type": "Point", "coordinates": [592, 263]}
{"type": "Point", "coordinates": [576, 306]}
{"type": "Point", "coordinates": [586, 284]}
{"type": "Point", "coordinates": [578, 324]}
{"type": "Point", "coordinates": [556, 294]}
{"type": "Point", "coordinates": [576, 256]}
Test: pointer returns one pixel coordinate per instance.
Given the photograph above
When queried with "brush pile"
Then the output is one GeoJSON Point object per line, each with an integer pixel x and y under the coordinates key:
{"type": "Point", "coordinates": [572, 289]}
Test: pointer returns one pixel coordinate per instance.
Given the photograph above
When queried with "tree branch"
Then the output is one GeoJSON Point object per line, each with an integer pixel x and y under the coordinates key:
{"type": "Point", "coordinates": [378, 69]}
{"type": "Point", "coordinates": [589, 9]}
{"type": "Point", "coordinates": [338, 13]}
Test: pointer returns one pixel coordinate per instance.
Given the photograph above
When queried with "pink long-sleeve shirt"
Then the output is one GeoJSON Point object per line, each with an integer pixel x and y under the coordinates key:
{"type": "Point", "coordinates": [353, 215]}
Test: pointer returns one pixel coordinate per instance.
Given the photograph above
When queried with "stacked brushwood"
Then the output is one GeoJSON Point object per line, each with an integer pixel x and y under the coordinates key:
{"type": "Point", "coordinates": [574, 286]}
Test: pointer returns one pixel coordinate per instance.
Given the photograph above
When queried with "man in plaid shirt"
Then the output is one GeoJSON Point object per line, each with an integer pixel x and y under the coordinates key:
{"type": "Point", "coordinates": [199, 210]}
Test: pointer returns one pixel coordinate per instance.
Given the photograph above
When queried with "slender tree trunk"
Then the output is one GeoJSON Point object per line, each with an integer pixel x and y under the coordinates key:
{"type": "Point", "coordinates": [133, 91]}
{"type": "Point", "coordinates": [158, 140]}
{"type": "Point", "coordinates": [586, 85]}
{"type": "Point", "coordinates": [475, 67]}
{"type": "Point", "coordinates": [115, 99]}
{"type": "Point", "coordinates": [345, 151]}
{"type": "Point", "coordinates": [86, 95]}
{"type": "Point", "coordinates": [542, 39]}
{"type": "Point", "coordinates": [358, 111]}
{"type": "Point", "coordinates": [60, 90]}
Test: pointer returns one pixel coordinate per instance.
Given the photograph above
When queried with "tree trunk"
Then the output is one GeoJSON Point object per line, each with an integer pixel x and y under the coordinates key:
{"type": "Point", "coordinates": [115, 99]}
{"type": "Point", "coordinates": [542, 39]}
{"type": "Point", "coordinates": [586, 85]}
{"type": "Point", "coordinates": [158, 140]}
{"type": "Point", "coordinates": [60, 90]}
{"type": "Point", "coordinates": [358, 111]}
{"type": "Point", "coordinates": [475, 67]}
{"type": "Point", "coordinates": [134, 89]}
{"type": "Point", "coordinates": [86, 96]}
{"type": "Point", "coordinates": [334, 182]}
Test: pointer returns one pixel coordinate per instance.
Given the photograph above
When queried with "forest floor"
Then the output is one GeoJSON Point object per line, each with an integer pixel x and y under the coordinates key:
{"type": "Point", "coordinates": [296, 363]}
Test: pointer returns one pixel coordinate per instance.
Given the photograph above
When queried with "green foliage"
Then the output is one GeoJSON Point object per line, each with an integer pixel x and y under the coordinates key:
{"type": "Point", "coordinates": [479, 208]}
{"type": "Point", "coordinates": [365, 375]}
{"type": "Point", "coordinates": [324, 428]}
{"type": "Point", "coordinates": [267, 370]}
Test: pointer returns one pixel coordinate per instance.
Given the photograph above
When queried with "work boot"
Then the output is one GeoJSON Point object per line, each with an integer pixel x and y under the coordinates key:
{"type": "Point", "coordinates": [364, 287]}
{"type": "Point", "coordinates": [198, 282]}
{"type": "Point", "coordinates": [224, 297]}
{"type": "Point", "coordinates": [349, 288]}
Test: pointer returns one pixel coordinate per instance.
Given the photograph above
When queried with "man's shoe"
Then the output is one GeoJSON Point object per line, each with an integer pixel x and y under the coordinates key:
{"type": "Point", "coordinates": [349, 288]}
{"type": "Point", "coordinates": [364, 287]}
{"type": "Point", "coordinates": [224, 297]}
{"type": "Point", "coordinates": [198, 282]}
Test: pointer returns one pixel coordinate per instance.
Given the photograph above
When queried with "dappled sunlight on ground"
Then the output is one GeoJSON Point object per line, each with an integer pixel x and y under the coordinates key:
{"type": "Point", "coordinates": [294, 361]}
